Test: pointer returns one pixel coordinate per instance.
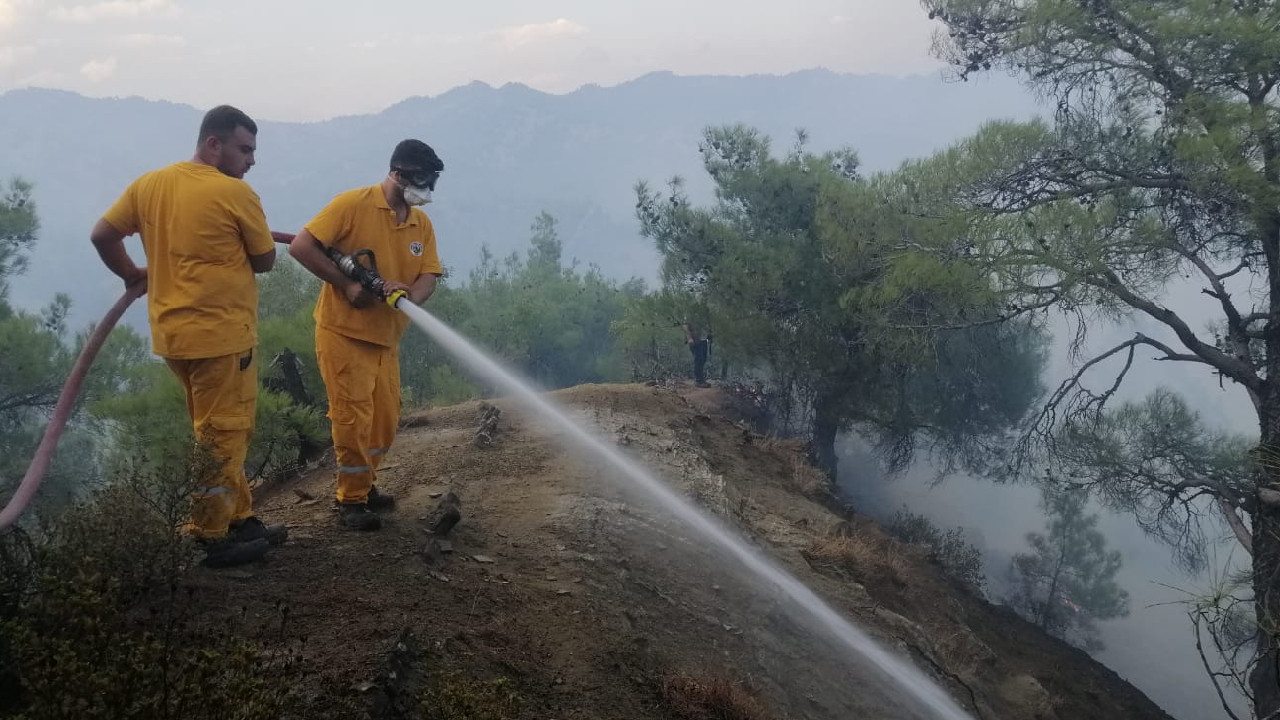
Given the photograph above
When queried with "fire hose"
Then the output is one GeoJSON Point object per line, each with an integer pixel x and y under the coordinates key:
{"type": "Point", "coordinates": [360, 266]}
{"type": "Point", "coordinates": [62, 410]}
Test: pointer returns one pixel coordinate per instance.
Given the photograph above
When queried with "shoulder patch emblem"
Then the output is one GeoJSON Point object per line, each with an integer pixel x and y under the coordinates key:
{"type": "Point", "coordinates": [416, 249]}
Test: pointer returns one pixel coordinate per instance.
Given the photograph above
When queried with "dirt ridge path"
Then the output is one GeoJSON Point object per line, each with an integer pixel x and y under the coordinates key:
{"type": "Point", "coordinates": [584, 595]}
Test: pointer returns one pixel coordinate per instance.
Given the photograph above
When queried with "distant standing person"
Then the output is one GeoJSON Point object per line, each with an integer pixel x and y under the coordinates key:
{"type": "Point", "coordinates": [700, 347]}
{"type": "Point", "coordinates": [205, 236]}
{"type": "Point", "coordinates": [358, 335]}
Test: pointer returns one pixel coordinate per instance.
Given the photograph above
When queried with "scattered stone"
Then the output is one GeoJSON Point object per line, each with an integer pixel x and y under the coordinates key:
{"type": "Point", "coordinates": [303, 494]}
{"type": "Point", "coordinates": [483, 559]}
{"type": "Point", "coordinates": [432, 553]}
{"type": "Point", "coordinates": [238, 574]}
{"type": "Point", "coordinates": [362, 687]}
{"type": "Point", "coordinates": [446, 547]}
{"type": "Point", "coordinates": [446, 514]}
{"type": "Point", "coordinates": [399, 682]}
{"type": "Point", "coordinates": [434, 495]}
{"type": "Point", "coordinates": [437, 575]}
{"type": "Point", "coordinates": [551, 578]}
{"type": "Point", "coordinates": [564, 592]}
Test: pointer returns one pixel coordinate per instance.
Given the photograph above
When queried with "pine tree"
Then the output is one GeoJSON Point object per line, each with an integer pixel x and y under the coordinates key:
{"type": "Point", "coordinates": [1068, 580]}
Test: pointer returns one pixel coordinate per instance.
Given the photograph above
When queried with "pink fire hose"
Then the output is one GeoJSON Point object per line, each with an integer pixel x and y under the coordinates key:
{"type": "Point", "coordinates": [67, 400]}
{"type": "Point", "coordinates": [62, 411]}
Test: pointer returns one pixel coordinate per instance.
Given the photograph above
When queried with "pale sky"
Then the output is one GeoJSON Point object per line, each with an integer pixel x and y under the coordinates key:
{"type": "Point", "coordinates": [315, 59]}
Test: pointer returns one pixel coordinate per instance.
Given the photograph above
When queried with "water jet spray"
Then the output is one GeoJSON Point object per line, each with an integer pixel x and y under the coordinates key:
{"type": "Point", "coordinates": [901, 672]}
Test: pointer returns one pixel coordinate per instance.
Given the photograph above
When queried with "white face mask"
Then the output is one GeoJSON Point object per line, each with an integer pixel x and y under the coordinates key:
{"type": "Point", "coordinates": [416, 195]}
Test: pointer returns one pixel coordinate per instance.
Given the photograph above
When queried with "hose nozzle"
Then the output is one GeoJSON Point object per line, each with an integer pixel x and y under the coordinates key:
{"type": "Point", "coordinates": [352, 266]}
{"type": "Point", "coordinates": [367, 275]}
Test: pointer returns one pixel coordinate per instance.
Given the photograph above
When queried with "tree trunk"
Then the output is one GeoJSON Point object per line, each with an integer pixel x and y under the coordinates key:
{"type": "Point", "coordinates": [1050, 602]}
{"type": "Point", "coordinates": [1264, 681]}
{"type": "Point", "coordinates": [826, 423]}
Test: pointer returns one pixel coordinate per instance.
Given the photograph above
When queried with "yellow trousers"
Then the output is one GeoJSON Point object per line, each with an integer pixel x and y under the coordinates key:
{"type": "Point", "coordinates": [363, 383]}
{"type": "Point", "coordinates": [222, 397]}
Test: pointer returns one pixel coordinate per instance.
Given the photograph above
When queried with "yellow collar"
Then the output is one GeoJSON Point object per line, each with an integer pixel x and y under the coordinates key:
{"type": "Point", "coordinates": [380, 200]}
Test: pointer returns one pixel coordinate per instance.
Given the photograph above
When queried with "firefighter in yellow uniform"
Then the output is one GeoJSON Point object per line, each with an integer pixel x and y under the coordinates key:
{"type": "Point", "coordinates": [205, 236]}
{"type": "Point", "coordinates": [357, 335]}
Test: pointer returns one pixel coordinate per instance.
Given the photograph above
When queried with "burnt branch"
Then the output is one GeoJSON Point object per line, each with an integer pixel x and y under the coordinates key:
{"type": "Point", "coordinates": [1237, 525]}
{"type": "Point", "coordinates": [1233, 367]}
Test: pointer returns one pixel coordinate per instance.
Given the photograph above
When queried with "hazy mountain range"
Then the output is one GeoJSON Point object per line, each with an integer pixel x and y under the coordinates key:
{"type": "Point", "coordinates": [509, 152]}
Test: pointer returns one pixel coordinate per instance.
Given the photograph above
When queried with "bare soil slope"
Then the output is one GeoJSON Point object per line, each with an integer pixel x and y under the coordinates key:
{"type": "Point", "coordinates": [585, 595]}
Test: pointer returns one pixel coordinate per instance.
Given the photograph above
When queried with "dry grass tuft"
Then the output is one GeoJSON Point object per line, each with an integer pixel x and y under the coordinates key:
{"type": "Point", "coordinates": [861, 550]}
{"type": "Point", "coordinates": [690, 698]}
{"type": "Point", "coordinates": [809, 480]}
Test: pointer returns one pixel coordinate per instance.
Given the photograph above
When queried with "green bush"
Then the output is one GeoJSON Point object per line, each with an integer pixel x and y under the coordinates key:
{"type": "Point", "coordinates": [285, 437]}
{"type": "Point", "coordinates": [651, 337]}
{"type": "Point", "coordinates": [95, 621]}
{"type": "Point", "coordinates": [449, 387]}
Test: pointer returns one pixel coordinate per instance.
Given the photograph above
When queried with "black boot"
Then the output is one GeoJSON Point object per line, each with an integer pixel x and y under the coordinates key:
{"type": "Point", "coordinates": [229, 552]}
{"type": "Point", "coordinates": [380, 502]}
{"type": "Point", "coordinates": [251, 528]}
{"type": "Point", "coordinates": [358, 516]}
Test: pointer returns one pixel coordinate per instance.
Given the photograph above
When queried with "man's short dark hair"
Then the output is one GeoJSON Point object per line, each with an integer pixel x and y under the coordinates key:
{"type": "Point", "coordinates": [222, 121]}
{"type": "Point", "coordinates": [415, 154]}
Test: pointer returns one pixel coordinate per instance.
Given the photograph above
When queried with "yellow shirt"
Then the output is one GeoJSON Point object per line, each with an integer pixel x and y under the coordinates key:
{"type": "Point", "coordinates": [198, 228]}
{"type": "Point", "coordinates": [363, 219]}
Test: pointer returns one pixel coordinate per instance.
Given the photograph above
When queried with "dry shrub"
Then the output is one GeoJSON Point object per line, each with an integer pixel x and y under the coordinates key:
{"type": "Point", "coordinates": [859, 551]}
{"type": "Point", "coordinates": [809, 480]}
{"type": "Point", "coordinates": [457, 697]}
{"type": "Point", "coordinates": [690, 698]}
{"type": "Point", "coordinates": [946, 548]}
